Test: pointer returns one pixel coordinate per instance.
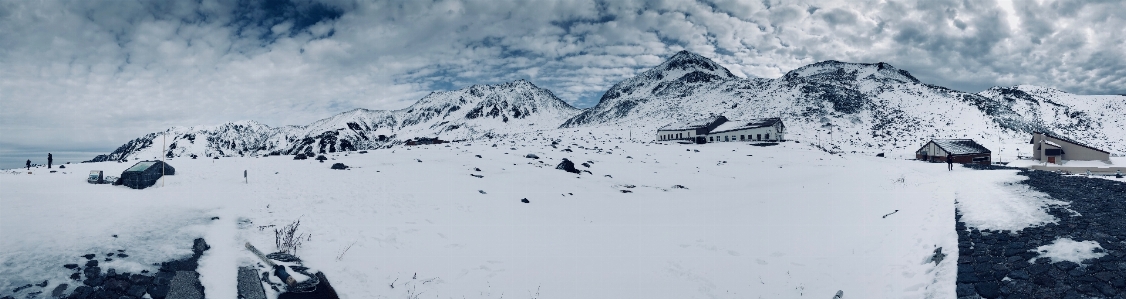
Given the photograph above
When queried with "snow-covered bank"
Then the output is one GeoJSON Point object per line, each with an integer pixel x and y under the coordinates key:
{"type": "Point", "coordinates": [776, 221]}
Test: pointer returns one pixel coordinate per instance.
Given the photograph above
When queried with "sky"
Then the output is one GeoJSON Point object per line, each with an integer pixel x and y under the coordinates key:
{"type": "Point", "coordinates": [87, 76]}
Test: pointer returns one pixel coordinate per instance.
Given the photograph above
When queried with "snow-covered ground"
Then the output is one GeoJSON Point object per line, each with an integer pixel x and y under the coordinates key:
{"type": "Point", "coordinates": [779, 221]}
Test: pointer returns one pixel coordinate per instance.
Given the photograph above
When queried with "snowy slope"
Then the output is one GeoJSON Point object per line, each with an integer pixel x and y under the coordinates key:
{"type": "Point", "coordinates": [479, 111]}
{"type": "Point", "coordinates": [842, 107]}
{"type": "Point", "coordinates": [748, 222]}
{"type": "Point", "coordinates": [853, 106]}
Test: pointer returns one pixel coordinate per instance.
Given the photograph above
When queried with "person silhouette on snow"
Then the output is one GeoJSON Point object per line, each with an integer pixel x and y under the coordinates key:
{"type": "Point", "coordinates": [949, 162]}
{"type": "Point", "coordinates": [49, 160]}
{"type": "Point", "coordinates": [28, 164]}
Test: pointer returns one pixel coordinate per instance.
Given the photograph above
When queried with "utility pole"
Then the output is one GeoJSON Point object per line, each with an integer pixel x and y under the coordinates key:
{"type": "Point", "coordinates": [163, 157]}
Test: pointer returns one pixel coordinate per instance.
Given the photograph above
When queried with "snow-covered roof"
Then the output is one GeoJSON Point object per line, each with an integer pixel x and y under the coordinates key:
{"type": "Point", "coordinates": [746, 124]}
{"type": "Point", "coordinates": [692, 124]}
{"type": "Point", "coordinates": [960, 146]}
{"type": "Point", "coordinates": [1052, 143]}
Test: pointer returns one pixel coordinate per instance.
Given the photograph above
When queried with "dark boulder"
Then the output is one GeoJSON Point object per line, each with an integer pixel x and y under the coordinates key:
{"type": "Point", "coordinates": [525, 200]}
{"type": "Point", "coordinates": [567, 166]}
{"type": "Point", "coordinates": [300, 157]}
{"type": "Point", "coordinates": [339, 166]}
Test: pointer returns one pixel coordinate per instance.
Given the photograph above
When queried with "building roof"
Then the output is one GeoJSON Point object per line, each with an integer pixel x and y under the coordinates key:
{"type": "Point", "coordinates": [1052, 143]}
{"type": "Point", "coordinates": [960, 146]}
{"type": "Point", "coordinates": [1068, 140]}
{"type": "Point", "coordinates": [692, 124]}
{"type": "Point", "coordinates": [746, 124]}
{"type": "Point", "coordinates": [141, 166]}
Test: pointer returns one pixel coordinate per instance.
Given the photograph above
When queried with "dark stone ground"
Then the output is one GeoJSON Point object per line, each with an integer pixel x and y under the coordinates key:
{"type": "Point", "coordinates": [95, 283]}
{"type": "Point", "coordinates": [995, 264]}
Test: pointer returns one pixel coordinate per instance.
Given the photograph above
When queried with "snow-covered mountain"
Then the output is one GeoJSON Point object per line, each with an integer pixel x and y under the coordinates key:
{"type": "Point", "coordinates": [863, 107]}
{"type": "Point", "coordinates": [479, 111]}
{"type": "Point", "coordinates": [854, 106]}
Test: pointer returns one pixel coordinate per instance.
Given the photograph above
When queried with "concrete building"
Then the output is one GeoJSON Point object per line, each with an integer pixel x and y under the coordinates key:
{"type": "Point", "coordinates": [759, 129]}
{"type": "Point", "coordinates": [690, 130]}
{"type": "Point", "coordinates": [963, 151]}
{"type": "Point", "coordinates": [1055, 149]}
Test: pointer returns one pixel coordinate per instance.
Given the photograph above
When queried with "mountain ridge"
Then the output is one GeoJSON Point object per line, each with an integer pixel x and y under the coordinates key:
{"type": "Point", "coordinates": [869, 106]}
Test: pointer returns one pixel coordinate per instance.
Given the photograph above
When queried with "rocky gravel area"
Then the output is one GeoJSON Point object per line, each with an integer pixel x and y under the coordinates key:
{"type": "Point", "coordinates": [1004, 264]}
{"type": "Point", "coordinates": [176, 279]}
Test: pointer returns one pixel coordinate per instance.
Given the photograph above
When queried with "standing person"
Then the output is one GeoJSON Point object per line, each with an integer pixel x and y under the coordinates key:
{"type": "Point", "coordinates": [28, 164]}
{"type": "Point", "coordinates": [49, 160]}
{"type": "Point", "coordinates": [949, 162]}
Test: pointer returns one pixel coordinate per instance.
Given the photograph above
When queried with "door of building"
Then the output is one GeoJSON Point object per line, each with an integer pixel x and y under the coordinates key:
{"type": "Point", "coordinates": [1051, 159]}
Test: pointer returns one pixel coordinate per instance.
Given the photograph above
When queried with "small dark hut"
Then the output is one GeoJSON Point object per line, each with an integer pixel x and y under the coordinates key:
{"type": "Point", "coordinates": [145, 173]}
{"type": "Point", "coordinates": [963, 151]}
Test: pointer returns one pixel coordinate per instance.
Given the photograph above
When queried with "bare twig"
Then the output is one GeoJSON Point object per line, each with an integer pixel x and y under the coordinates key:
{"type": "Point", "coordinates": [341, 256]}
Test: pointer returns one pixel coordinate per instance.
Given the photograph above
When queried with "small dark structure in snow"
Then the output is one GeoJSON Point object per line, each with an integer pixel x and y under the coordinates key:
{"type": "Point", "coordinates": [96, 177]}
{"type": "Point", "coordinates": [145, 173]}
{"type": "Point", "coordinates": [300, 157]}
{"type": "Point", "coordinates": [424, 140]}
{"type": "Point", "coordinates": [321, 158]}
{"type": "Point", "coordinates": [964, 151]}
{"type": "Point", "coordinates": [567, 166]}
{"type": "Point", "coordinates": [339, 166]}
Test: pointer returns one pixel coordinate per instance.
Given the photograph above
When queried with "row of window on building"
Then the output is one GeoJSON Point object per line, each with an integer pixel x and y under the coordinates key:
{"type": "Point", "coordinates": [756, 137]}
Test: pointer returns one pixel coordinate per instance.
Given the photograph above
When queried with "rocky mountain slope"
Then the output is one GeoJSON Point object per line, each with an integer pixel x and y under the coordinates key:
{"type": "Point", "coordinates": [854, 106]}
{"type": "Point", "coordinates": [835, 105]}
{"type": "Point", "coordinates": [479, 111]}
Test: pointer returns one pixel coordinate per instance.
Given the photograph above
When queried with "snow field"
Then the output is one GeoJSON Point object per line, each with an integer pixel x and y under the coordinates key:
{"type": "Point", "coordinates": [995, 200]}
{"type": "Point", "coordinates": [786, 221]}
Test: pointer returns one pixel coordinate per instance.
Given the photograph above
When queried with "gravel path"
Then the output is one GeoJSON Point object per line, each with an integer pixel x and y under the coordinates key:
{"type": "Point", "coordinates": [996, 264]}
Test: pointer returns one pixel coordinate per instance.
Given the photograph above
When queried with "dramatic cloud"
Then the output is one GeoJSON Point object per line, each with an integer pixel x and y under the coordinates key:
{"type": "Point", "coordinates": [82, 75]}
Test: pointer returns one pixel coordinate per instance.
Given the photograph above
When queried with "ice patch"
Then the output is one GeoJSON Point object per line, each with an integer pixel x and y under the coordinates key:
{"type": "Point", "coordinates": [1065, 249]}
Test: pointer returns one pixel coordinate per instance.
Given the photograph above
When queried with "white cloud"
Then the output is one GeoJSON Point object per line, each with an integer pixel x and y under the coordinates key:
{"type": "Point", "coordinates": [93, 74]}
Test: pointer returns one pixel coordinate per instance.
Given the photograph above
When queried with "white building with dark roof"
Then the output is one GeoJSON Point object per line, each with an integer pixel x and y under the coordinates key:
{"type": "Point", "coordinates": [720, 129]}
{"type": "Point", "coordinates": [759, 129]}
{"type": "Point", "coordinates": [690, 130]}
{"type": "Point", "coordinates": [1055, 149]}
{"type": "Point", "coordinates": [961, 150]}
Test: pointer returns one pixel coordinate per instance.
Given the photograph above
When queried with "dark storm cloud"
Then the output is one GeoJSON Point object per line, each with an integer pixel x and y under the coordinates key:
{"type": "Point", "coordinates": [94, 73]}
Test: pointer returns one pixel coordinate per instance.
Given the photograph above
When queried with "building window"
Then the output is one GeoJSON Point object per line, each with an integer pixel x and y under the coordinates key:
{"type": "Point", "coordinates": [758, 136]}
{"type": "Point", "coordinates": [710, 138]}
{"type": "Point", "coordinates": [768, 136]}
{"type": "Point", "coordinates": [740, 137]}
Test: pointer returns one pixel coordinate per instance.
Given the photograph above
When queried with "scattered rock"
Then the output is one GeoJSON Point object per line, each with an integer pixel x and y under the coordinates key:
{"type": "Point", "coordinates": [71, 266]}
{"type": "Point", "coordinates": [42, 284]}
{"type": "Point", "coordinates": [531, 156]}
{"type": "Point", "coordinates": [482, 191]}
{"type": "Point", "coordinates": [478, 156]}
{"type": "Point", "coordinates": [321, 158]}
{"type": "Point", "coordinates": [525, 200]}
{"type": "Point", "coordinates": [89, 256]}
{"type": "Point", "coordinates": [339, 166]}
{"type": "Point", "coordinates": [476, 175]}
{"type": "Point", "coordinates": [587, 165]}
{"type": "Point", "coordinates": [59, 290]}
{"type": "Point", "coordinates": [300, 157]}
{"type": "Point", "coordinates": [91, 263]}
{"type": "Point", "coordinates": [629, 186]}
{"type": "Point", "coordinates": [679, 187]}
{"type": "Point", "coordinates": [625, 191]}
{"type": "Point", "coordinates": [18, 289]}
{"type": "Point", "coordinates": [567, 166]}
{"type": "Point", "coordinates": [880, 155]}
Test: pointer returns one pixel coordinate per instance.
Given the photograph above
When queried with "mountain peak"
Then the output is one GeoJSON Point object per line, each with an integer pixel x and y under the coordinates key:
{"type": "Point", "coordinates": [837, 70]}
{"type": "Point", "coordinates": [690, 62]}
